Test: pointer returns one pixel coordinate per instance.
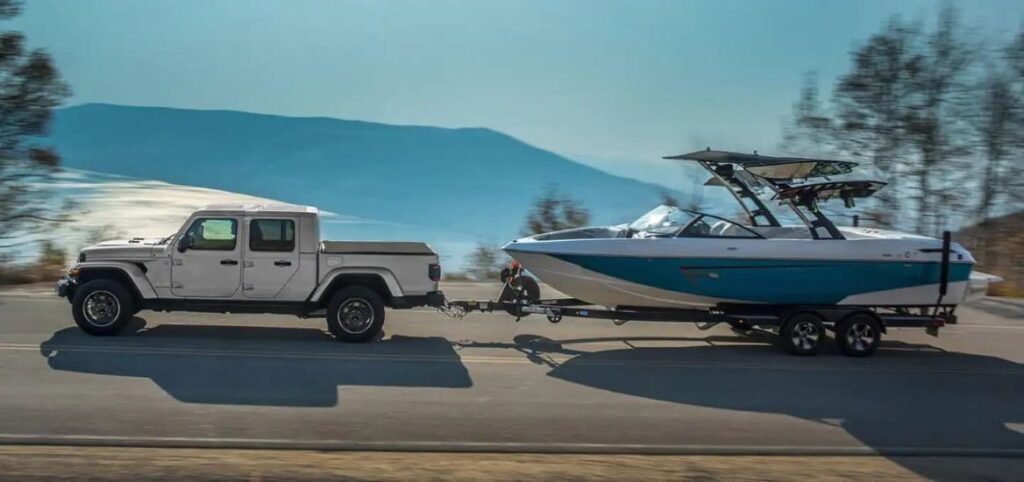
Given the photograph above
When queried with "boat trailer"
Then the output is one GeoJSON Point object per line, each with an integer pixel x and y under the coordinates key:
{"type": "Point", "coordinates": [801, 328]}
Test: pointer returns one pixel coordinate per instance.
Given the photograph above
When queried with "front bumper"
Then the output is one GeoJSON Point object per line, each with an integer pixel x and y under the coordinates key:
{"type": "Point", "coordinates": [65, 287]}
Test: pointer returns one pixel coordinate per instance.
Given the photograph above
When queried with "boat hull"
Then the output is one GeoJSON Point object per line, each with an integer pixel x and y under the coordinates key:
{"type": "Point", "coordinates": [685, 282]}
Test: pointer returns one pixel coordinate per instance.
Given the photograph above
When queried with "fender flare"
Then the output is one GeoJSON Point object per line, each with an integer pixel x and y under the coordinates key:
{"type": "Point", "coordinates": [390, 280]}
{"type": "Point", "coordinates": [138, 278]}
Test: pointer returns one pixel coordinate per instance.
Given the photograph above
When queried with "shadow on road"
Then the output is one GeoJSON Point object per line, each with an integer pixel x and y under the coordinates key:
{"type": "Point", "coordinates": [235, 364]}
{"type": "Point", "coordinates": [908, 395]}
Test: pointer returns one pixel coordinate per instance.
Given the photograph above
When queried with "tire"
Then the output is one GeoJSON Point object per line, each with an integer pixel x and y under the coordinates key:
{"type": "Point", "coordinates": [355, 314]}
{"type": "Point", "coordinates": [858, 334]}
{"type": "Point", "coordinates": [102, 307]}
{"type": "Point", "coordinates": [803, 334]}
{"type": "Point", "coordinates": [530, 291]}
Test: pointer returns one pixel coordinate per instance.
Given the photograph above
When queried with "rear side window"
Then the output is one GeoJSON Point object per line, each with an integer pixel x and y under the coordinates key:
{"type": "Point", "coordinates": [272, 235]}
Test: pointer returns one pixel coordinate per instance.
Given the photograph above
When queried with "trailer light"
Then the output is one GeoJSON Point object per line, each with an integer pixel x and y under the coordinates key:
{"type": "Point", "coordinates": [435, 272]}
{"type": "Point", "coordinates": [81, 257]}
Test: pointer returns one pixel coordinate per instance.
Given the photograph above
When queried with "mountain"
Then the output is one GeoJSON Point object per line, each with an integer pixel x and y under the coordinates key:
{"type": "Point", "coordinates": [474, 181]}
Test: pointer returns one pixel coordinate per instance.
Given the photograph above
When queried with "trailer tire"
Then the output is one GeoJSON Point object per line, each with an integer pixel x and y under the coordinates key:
{"type": "Point", "coordinates": [102, 307]}
{"type": "Point", "coordinates": [803, 333]}
{"type": "Point", "coordinates": [858, 334]}
{"type": "Point", "coordinates": [355, 314]}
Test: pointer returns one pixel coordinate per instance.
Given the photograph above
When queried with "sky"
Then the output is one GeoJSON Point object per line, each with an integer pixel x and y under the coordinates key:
{"type": "Point", "coordinates": [618, 81]}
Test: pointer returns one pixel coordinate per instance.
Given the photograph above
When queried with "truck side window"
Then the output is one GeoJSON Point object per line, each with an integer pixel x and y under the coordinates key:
{"type": "Point", "coordinates": [213, 234]}
{"type": "Point", "coordinates": [272, 235]}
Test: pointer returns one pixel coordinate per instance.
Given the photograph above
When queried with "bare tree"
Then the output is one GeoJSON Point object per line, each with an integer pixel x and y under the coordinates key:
{"type": "Point", "coordinates": [30, 88]}
{"type": "Point", "coordinates": [902, 108]}
{"type": "Point", "coordinates": [811, 131]}
{"type": "Point", "coordinates": [937, 79]}
{"type": "Point", "coordinates": [485, 262]}
{"type": "Point", "coordinates": [997, 125]}
{"type": "Point", "coordinates": [1014, 57]}
{"type": "Point", "coordinates": [554, 211]}
{"type": "Point", "coordinates": [871, 103]}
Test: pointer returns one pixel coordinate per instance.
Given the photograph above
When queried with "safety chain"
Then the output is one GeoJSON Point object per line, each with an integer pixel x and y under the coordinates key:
{"type": "Point", "coordinates": [453, 312]}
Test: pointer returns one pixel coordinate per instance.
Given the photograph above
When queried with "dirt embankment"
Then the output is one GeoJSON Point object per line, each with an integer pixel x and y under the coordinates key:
{"type": "Point", "coordinates": [110, 463]}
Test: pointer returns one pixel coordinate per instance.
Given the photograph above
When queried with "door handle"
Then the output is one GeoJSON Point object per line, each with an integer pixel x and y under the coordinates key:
{"type": "Point", "coordinates": [228, 262]}
{"type": "Point", "coordinates": [282, 263]}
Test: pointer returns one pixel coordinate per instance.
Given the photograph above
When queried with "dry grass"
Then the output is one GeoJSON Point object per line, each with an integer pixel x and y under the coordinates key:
{"type": "Point", "coordinates": [116, 463]}
{"type": "Point", "coordinates": [38, 272]}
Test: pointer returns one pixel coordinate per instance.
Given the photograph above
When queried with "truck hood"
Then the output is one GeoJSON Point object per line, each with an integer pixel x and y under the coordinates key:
{"type": "Point", "coordinates": [136, 248]}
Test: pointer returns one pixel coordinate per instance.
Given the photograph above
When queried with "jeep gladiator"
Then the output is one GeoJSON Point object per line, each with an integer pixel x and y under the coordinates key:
{"type": "Point", "coordinates": [252, 259]}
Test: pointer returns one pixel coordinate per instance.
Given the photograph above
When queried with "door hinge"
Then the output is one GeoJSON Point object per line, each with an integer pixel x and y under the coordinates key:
{"type": "Point", "coordinates": [250, 264]}
{"type": "Point", "coordinates": [247, 287]}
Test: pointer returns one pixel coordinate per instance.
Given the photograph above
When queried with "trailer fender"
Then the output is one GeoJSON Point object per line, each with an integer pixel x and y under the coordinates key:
{"type": "Point", "coordinates": [389, 279]}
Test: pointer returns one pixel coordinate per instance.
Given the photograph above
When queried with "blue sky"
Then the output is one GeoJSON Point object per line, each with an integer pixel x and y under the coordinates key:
{"type": "Point", "coordinates": [630, 80]}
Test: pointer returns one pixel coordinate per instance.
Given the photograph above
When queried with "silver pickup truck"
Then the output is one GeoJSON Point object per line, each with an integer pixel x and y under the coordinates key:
{"type": "Point", "coordinates": [252, 259]}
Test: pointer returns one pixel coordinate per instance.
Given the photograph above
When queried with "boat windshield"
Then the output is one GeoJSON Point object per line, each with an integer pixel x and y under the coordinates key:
{"type": "Point", "coordinates": [666, 220]}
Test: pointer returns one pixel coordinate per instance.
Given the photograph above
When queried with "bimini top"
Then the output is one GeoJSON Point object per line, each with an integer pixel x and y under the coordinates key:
{"type": "Point", "coordinates": [772, 168]}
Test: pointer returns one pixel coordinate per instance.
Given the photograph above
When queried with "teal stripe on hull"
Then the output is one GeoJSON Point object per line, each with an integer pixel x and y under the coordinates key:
{"type": "Point", "coordinates": [768, 281]}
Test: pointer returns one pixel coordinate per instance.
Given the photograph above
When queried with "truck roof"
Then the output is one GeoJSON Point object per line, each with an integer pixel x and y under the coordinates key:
{"type": "Point", "coordinates": [254, 209]}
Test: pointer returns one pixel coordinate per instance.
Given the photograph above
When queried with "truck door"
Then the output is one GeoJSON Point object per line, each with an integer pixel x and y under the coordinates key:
{"type": "Point", "coordinates": [207, 259]}
{"type": "Point", "coordinates": [272, 258]}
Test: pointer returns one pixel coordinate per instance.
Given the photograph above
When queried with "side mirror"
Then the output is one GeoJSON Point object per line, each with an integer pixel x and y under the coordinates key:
{"type": "Point", "coordinates": [184, 243]}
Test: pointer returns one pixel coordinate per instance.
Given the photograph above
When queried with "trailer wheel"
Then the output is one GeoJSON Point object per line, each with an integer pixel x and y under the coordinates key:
{"type": "Point", "coordinates": [803, 333]}
{"type": "Point", "coordinates": [355, 314]}
{"type": "Point", "coordinates": [520, 287]}
{"type": "Point", "coordinates": [858, 334]}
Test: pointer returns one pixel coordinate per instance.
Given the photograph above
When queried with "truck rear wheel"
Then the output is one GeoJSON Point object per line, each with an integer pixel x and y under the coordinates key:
{"type": "Point", "coordinates": [102, 307]}
{"type": "Point", "coordinates": [355, 314]}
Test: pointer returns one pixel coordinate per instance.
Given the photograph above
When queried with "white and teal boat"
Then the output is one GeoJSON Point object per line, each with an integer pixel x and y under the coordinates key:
{"type": "Point", "coordinates": [678, 258]}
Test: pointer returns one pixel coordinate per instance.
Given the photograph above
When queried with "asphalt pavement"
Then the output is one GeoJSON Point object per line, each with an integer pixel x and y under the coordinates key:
{"type": "Point", "coordinates": [489, 384]}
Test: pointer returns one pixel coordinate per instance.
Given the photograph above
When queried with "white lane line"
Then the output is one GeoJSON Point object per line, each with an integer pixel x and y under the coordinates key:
{"type": "Point", "coordinates": [460, 357]}
{"type": "Point", "coordinates": [982, 327]}
{"type": "Point", "coordinates": [473, 446]}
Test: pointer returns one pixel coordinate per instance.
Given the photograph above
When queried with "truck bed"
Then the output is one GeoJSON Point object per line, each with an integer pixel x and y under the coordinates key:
{"type": "Point", "coordinates": [375, 247]}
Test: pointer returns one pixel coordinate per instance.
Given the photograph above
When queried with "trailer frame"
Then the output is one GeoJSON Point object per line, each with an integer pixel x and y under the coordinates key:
{"type": "Point", "coordinates": [742, 317]}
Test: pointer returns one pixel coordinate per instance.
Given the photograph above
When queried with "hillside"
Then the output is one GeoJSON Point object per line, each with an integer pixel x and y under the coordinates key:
{"type": "Point", "coordinates": [474, 181]}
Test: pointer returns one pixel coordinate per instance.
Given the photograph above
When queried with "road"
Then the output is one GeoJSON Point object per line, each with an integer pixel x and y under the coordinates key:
{"type": "Point", "coordinates": [489, 384]}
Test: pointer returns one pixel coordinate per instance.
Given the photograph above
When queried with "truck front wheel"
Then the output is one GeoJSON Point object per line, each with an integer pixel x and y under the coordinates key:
{"type": "Point", "coordinates": [355, 314]}
{"type": "Point", "coordinates": [102, 307]}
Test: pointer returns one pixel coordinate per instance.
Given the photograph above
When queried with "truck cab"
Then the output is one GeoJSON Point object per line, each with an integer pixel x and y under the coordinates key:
{"type": "Point", "coordinates": [251, 259]}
